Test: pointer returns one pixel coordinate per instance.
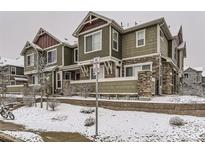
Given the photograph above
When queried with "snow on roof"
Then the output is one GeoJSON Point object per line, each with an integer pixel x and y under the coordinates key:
{"type": "Point", "coordinates": [195, 68]}
{"type": "Point", "coordinates": [203, 73]}
{"type": "Point", "coordinates": [15, 62]}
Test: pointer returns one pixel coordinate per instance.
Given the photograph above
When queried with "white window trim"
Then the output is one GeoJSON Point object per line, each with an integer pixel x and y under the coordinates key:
{"type": "Point", "coordinates": [140, 64]}
{"type": "Point", "coordinates": [27, 60]}
{"type": "Point", "coordinates": [100, 31]}
{"type": "Point", "coordinates": [60, 72]}
{"type": "Point", "coordinates": [137, 46]}
{"type": "Point", "coordinates": [103, 72]}
{"type": "Point", "coordinates": [14, 69]}
{"type": "Point", "coordinates": [114, 31]}
{"type": "Point", "coordinates": [56, 56]}
{"type": "Point", "coordinates": [76, 49]}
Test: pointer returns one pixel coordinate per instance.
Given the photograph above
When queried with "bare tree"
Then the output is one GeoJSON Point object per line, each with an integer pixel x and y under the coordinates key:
{"type": "Point", "coordinates": [47, 88]}
{"type": "Point", "coordinates": [3, 84]}
{"type": "Point", "coordinates": [41, 68]}
{"type": "Point", "coordinates": [53, 103]}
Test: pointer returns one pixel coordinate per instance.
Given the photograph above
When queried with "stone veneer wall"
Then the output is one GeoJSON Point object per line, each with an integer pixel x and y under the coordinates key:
{"type": "Point", "coordinates": [167, 78]}
{"type": "Point", "coordinates": [145, 84]}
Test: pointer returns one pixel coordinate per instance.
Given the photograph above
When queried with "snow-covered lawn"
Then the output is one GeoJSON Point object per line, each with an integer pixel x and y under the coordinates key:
{"type": "Point", "coordinates": [24, 136]}
{"type": "Point", "coordinates": [113, 125]}
{"type": "Point", "coordinates": [186, 99]}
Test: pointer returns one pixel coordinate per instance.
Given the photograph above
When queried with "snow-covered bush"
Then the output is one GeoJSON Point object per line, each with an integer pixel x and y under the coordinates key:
{"type": "Point", "coordinates": [53, 103]}
{"type": "Point", "coordinates": [176, 121]}
{"type": "Point", "coordinates": [87, 111]}
{"type": "Point", "coordinates": [28, 101]}
{"type": "Point", "coordinates": [59, 118]}
{"type": "Point", "coordinates": [10, 100]}
{"type": "Point", "coordinates": [89, 122]}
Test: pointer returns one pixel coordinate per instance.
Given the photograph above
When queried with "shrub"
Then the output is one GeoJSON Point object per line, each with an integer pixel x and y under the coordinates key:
{"type": "Point", "coordinates": [176, 121]}
{"type": "Point", "coordinates": [87, 111]}
{"type": "Point", "coordinates": [89, 122]}
{"type": "Point", "coordinates": [53, 103]}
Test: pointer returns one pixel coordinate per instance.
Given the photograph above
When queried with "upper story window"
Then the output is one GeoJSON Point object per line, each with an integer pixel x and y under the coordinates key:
{"type": "Point", "coordinates": [140, 38]}
{"type": "Point", "coordinates": [115, 38]}
{"type": "Point", "coordinates": [51, 56]}
{"type": "Point", "coordinates": [93, 42]}
{"type": "Point", "coordinates": [161, 35]}
{"type": "Point", "coordinates": [30, 60]}
{"type": "Point", "coordinates": [186, 75]}
{"type": "Point", "coordinates": [13, 70]}
{"type": "Point", "coordinates": [76, 55]}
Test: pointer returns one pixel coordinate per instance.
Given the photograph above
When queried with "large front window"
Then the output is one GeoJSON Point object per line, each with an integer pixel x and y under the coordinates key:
{"type": "Point", "coordinates": [30, 60]}
{"type": "Point", "coordinates": [115, 38]}
{"type": "Point", "coordinates": [51, 56]}
{"type": "Point", "coordinates": [133, 70]}
{"type": "Point", "coordinates": [93, 42]}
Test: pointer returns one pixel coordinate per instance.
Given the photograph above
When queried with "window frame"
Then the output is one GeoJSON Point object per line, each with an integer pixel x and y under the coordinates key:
{"type": "Point", "coordinates": [74, 60]}
{"type": "Point", "coordinates": [31, 64]}
{"type": "Point", "coordinates": [59, 80]}
{"type": "Point", "coordinates": [65, 75]}
{"type": "Point", "coordinates": [91, 34]}
{"type": "Point", "coordinates": [137, 65]}
{"type": "Point", "coordinates": [50, 51]}
{"type": "Point", "coordinates": [113, 40]}
{"type": "Point", "coordinates": [12, 67]}
{"type": "Point", "coordinates": [137, 32]}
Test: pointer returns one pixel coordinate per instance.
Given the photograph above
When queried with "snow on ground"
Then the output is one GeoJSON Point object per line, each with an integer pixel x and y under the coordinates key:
{"type": "Point", "coordinates": [113, 125]}
{"type": "Point", "coordinates": [178, 99]}
{"type": "Point", "coordinates": [24, 136]}
{"type": "Point", "coordinates": [186, 99]}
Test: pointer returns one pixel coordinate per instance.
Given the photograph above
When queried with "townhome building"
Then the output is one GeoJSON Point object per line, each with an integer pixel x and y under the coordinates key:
{"type": "Point", "coordinates": [60, 59]}
{"type": "Point", "coordinates": [145, 59]}
{"type": "Point", "coordinates": [13, 70]}
{"type": "Point", "coordinates": [194, 81]}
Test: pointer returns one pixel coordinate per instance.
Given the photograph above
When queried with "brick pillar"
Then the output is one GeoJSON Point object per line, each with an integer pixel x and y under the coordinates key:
{"type": "Point", "coordinates": [145, 84]}
{"type": "Point", "coordinates": [167, 76]}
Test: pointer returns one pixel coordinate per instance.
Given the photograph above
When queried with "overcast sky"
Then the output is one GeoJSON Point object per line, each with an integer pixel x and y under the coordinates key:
{"type": "Point", "coordinates": [18, 27]}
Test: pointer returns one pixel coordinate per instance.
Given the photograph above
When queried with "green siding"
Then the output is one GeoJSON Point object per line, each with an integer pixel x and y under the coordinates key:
{"type": "Point", "coordinates": [164, 46]}
{"type": "Point", "coordinates": [68, 56]}
{"type": "Point", "coordinates": [105, 46]}
{"type": "Point", "coordinates": [129, 43]}
{"type": "Point", "coordinates": [113, 86]}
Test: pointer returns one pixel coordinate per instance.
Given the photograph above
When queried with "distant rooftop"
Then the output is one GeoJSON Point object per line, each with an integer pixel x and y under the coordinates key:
{"type": "Point", "coordinates": [15, 62]}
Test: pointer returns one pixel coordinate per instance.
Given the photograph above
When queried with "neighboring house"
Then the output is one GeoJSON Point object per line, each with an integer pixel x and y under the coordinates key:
{"type": "Point", "coordinates": [194, 81]}
{"type": "Point", "coordinates": [144, 59]}
{"type": "Point", "coordinates": [14, 70]}
{"type": "Point", "coordinates": [61, 59]}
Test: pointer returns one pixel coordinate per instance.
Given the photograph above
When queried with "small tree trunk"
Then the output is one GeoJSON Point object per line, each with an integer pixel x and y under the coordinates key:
{"type": "Point", "coordinates": [47, 103]}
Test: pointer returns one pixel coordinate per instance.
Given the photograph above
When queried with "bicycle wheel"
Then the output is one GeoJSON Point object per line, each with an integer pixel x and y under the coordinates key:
{"type": "Point", "coordinates": [11, 116]}
{"type": "Point", "coordinates": [4, 115]}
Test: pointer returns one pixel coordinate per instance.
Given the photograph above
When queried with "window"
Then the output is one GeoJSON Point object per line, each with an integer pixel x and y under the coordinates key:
{"type": "Point", "coordinates": [133, 70]}
{"type": "Point", "coordinates": [93, 42]}
{"type": "Point", "coordinates": [101, 74]}
{"type": "Point", "coordinates": [13, 70]}
{"type": "Point", "coordinates": [30, 60]}
{"type": "Point", "coordinates": [161, 34]}
{"type": "Point", "coordinates": [67, 76]}
{"type": "Point", "coordinates": [140, 38]}
{"type": "Point", "coordinates": [12, 83]}
{"type": "Point", "coordinates": [51, 56]}
{"type": "Point", "coordinates": [34, 79]}
{"type": "Point", "coordinates": [115, 38]}
{"type": "Point", "coordinates": [129, 71]}
{"type": "Point", "coordinates": [186, 75]}
{"type": "Point", "coordinates": [58, 80]}
{"type": "Point", "coordinates": [76, 55]}
{"type": "Point", "coordinates": [77, 76]}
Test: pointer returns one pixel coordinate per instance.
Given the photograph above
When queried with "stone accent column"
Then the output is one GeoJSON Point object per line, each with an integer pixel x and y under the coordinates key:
{"type": "Point", "coordinates": [167, 76]}
{"type": "Point", "coordinates": [145, 84]}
